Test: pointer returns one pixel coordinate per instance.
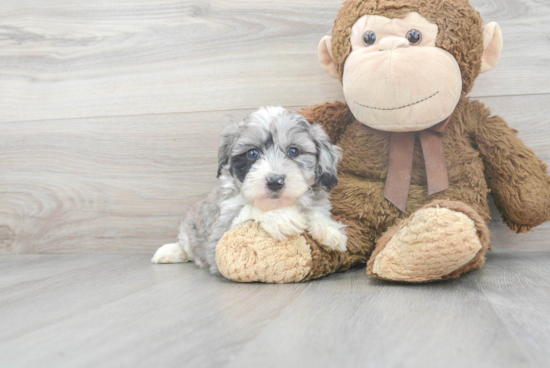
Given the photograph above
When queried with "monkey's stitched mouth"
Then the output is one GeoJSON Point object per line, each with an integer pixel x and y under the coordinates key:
{"type": "Point", "coordinates": [397, 108]}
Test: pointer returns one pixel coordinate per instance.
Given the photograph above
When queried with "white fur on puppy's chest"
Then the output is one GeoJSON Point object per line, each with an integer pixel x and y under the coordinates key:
{"type": "Point", "coordinates": [281, 223]}
{"type": "Point", "coordinates": [290, 221]}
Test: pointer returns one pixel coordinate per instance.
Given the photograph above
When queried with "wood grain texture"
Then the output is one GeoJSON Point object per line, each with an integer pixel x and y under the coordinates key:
{"type": "Point", "coordinates": [129, 312]}
{"type": "Point", "coordinates": [170, 74]}
{"type": "Point", "coordinates": [103, 184]}
{"type": "Point", "coordinates": [121, 184]}
{"type": "Point", "coordinates": [371, 323]}
{"type": "Point", "coordinates": [122, 311]}
{"type": "Point", "coordinates": [80, 58]}
{"type": "Point", "coordinates": [520, 295]}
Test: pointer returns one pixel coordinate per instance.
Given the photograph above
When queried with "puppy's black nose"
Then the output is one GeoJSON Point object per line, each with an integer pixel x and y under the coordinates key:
{"type": "Point", "coordinates": [275, 184]}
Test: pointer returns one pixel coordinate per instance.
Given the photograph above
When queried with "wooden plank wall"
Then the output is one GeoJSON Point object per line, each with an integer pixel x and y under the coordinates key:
{"type": "Point", "coordinates": [110, 111]}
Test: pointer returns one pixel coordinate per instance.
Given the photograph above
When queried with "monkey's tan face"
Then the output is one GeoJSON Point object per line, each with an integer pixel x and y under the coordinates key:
{"type": "Point", "coordinates": [396, 79]}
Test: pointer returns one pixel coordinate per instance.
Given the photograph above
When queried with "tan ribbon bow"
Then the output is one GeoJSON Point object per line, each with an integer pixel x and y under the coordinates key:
{"type": "Point", "coordinates": [400, 163]}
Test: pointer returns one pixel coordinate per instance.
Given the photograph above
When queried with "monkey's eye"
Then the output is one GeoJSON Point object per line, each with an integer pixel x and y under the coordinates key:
{"type": "Point", "coordinates": [414, 36]}
{"type": "Point", "coordinates": [369, 38]}
{"type": "Point", "coordinates": [253, 154]}
{"type": "Point", "coordinates": [293, 151]}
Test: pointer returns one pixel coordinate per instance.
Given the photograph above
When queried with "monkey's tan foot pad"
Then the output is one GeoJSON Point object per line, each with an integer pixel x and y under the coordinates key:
{"type": "Point", "coordinates": [248, 254]}
{"type": "Point", "coordinates": [434, 243]}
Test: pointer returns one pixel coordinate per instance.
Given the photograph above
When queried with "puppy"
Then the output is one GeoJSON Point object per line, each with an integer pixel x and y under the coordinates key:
{"type": "Point", "coordinates": [275, 169]}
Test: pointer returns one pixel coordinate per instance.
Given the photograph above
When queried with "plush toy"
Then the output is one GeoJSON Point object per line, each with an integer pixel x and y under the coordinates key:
{"type": "Point", "coordinates": [420, 157]}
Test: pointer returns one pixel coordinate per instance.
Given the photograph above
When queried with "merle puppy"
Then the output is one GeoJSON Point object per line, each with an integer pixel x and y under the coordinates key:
{"type": "Point", "coordinates": [275, 169]}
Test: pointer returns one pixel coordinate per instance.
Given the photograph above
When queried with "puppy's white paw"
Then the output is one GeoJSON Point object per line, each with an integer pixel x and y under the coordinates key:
{"type": "Point", "coordinates": [283, 224]}
{"type": "Point", "coordinates": [170, 253]}
{"type": "Point", "coordinates": [329, 235]}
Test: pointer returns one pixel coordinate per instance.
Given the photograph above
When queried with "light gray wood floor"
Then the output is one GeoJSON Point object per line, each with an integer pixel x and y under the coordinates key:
{"type": "Point", "coordinates": [121, 311]}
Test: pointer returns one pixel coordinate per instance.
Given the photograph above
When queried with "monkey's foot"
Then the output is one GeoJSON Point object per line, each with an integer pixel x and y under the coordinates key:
{"type": "Point", "coordinates": [248, 254]}
{"type": "Point", "coordinates": [440, 241]}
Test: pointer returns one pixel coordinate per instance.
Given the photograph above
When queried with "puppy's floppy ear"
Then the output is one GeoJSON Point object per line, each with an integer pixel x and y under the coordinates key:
{"type": "Point", "coordinates": [328, 157]}
{"type": "Point", "coordinates": [228, 137]}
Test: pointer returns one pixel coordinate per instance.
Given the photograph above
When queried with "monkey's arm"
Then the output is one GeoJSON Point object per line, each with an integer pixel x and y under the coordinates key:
{"type": "Point", "coordinates": [333, 117]}
{"type": "Point", "coordinates": [517, 178]}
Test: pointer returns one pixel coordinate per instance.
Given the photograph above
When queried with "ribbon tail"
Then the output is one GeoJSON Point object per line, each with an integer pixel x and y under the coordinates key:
{"type": "Point", "coordinates": [398, 179]}
{"type": "Point", "coordinates": [434, 159]}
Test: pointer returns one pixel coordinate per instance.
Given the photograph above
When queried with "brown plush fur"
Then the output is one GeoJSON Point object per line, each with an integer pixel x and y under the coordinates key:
{"type": "Point", "coordinates": [482, 153]}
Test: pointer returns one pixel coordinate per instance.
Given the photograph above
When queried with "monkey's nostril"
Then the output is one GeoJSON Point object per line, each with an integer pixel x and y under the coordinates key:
{"type": "Point", "coordinates": [276, 183]}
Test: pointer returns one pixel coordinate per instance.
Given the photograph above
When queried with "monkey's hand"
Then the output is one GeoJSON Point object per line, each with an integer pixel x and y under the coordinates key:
{"type": "Point", "coordinates": [518, 179]}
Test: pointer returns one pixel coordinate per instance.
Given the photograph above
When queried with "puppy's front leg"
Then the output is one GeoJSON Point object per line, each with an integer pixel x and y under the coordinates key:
{"type": "Point", "coordinates": [326, 231]}
{"type": "Point", "coordinates": [247, 213]}
{"type": "Point", "coordinates": [283, 223]}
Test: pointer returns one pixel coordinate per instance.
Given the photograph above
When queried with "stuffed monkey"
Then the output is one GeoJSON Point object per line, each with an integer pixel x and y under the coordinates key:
{"type": "Point", "coordinates": [420, 157]}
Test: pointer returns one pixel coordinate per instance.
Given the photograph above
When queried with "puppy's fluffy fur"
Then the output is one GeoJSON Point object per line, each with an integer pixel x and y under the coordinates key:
{"type": "Point", "coordinates": [276, 169]}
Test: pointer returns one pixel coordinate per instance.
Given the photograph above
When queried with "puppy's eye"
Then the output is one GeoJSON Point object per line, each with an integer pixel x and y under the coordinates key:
{"type": "Point", "coordinates": [369, 38]}
{"type": "Point", "coordinates": [293, 151]}
{"type": "Point", "coordinates": [253, 154]}
{"type": "Point", "coordinates": [414, 36]}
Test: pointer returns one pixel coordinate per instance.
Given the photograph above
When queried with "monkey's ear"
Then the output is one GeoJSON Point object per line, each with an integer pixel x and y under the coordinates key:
{"type": "Point", "coordinates": [325, 57]}
{"type": "Point", "coordinates": [492, 44]}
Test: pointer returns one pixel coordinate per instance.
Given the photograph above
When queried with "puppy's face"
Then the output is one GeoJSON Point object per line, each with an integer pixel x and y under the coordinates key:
{"type": "Point", "coordinates": [275, 156]}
